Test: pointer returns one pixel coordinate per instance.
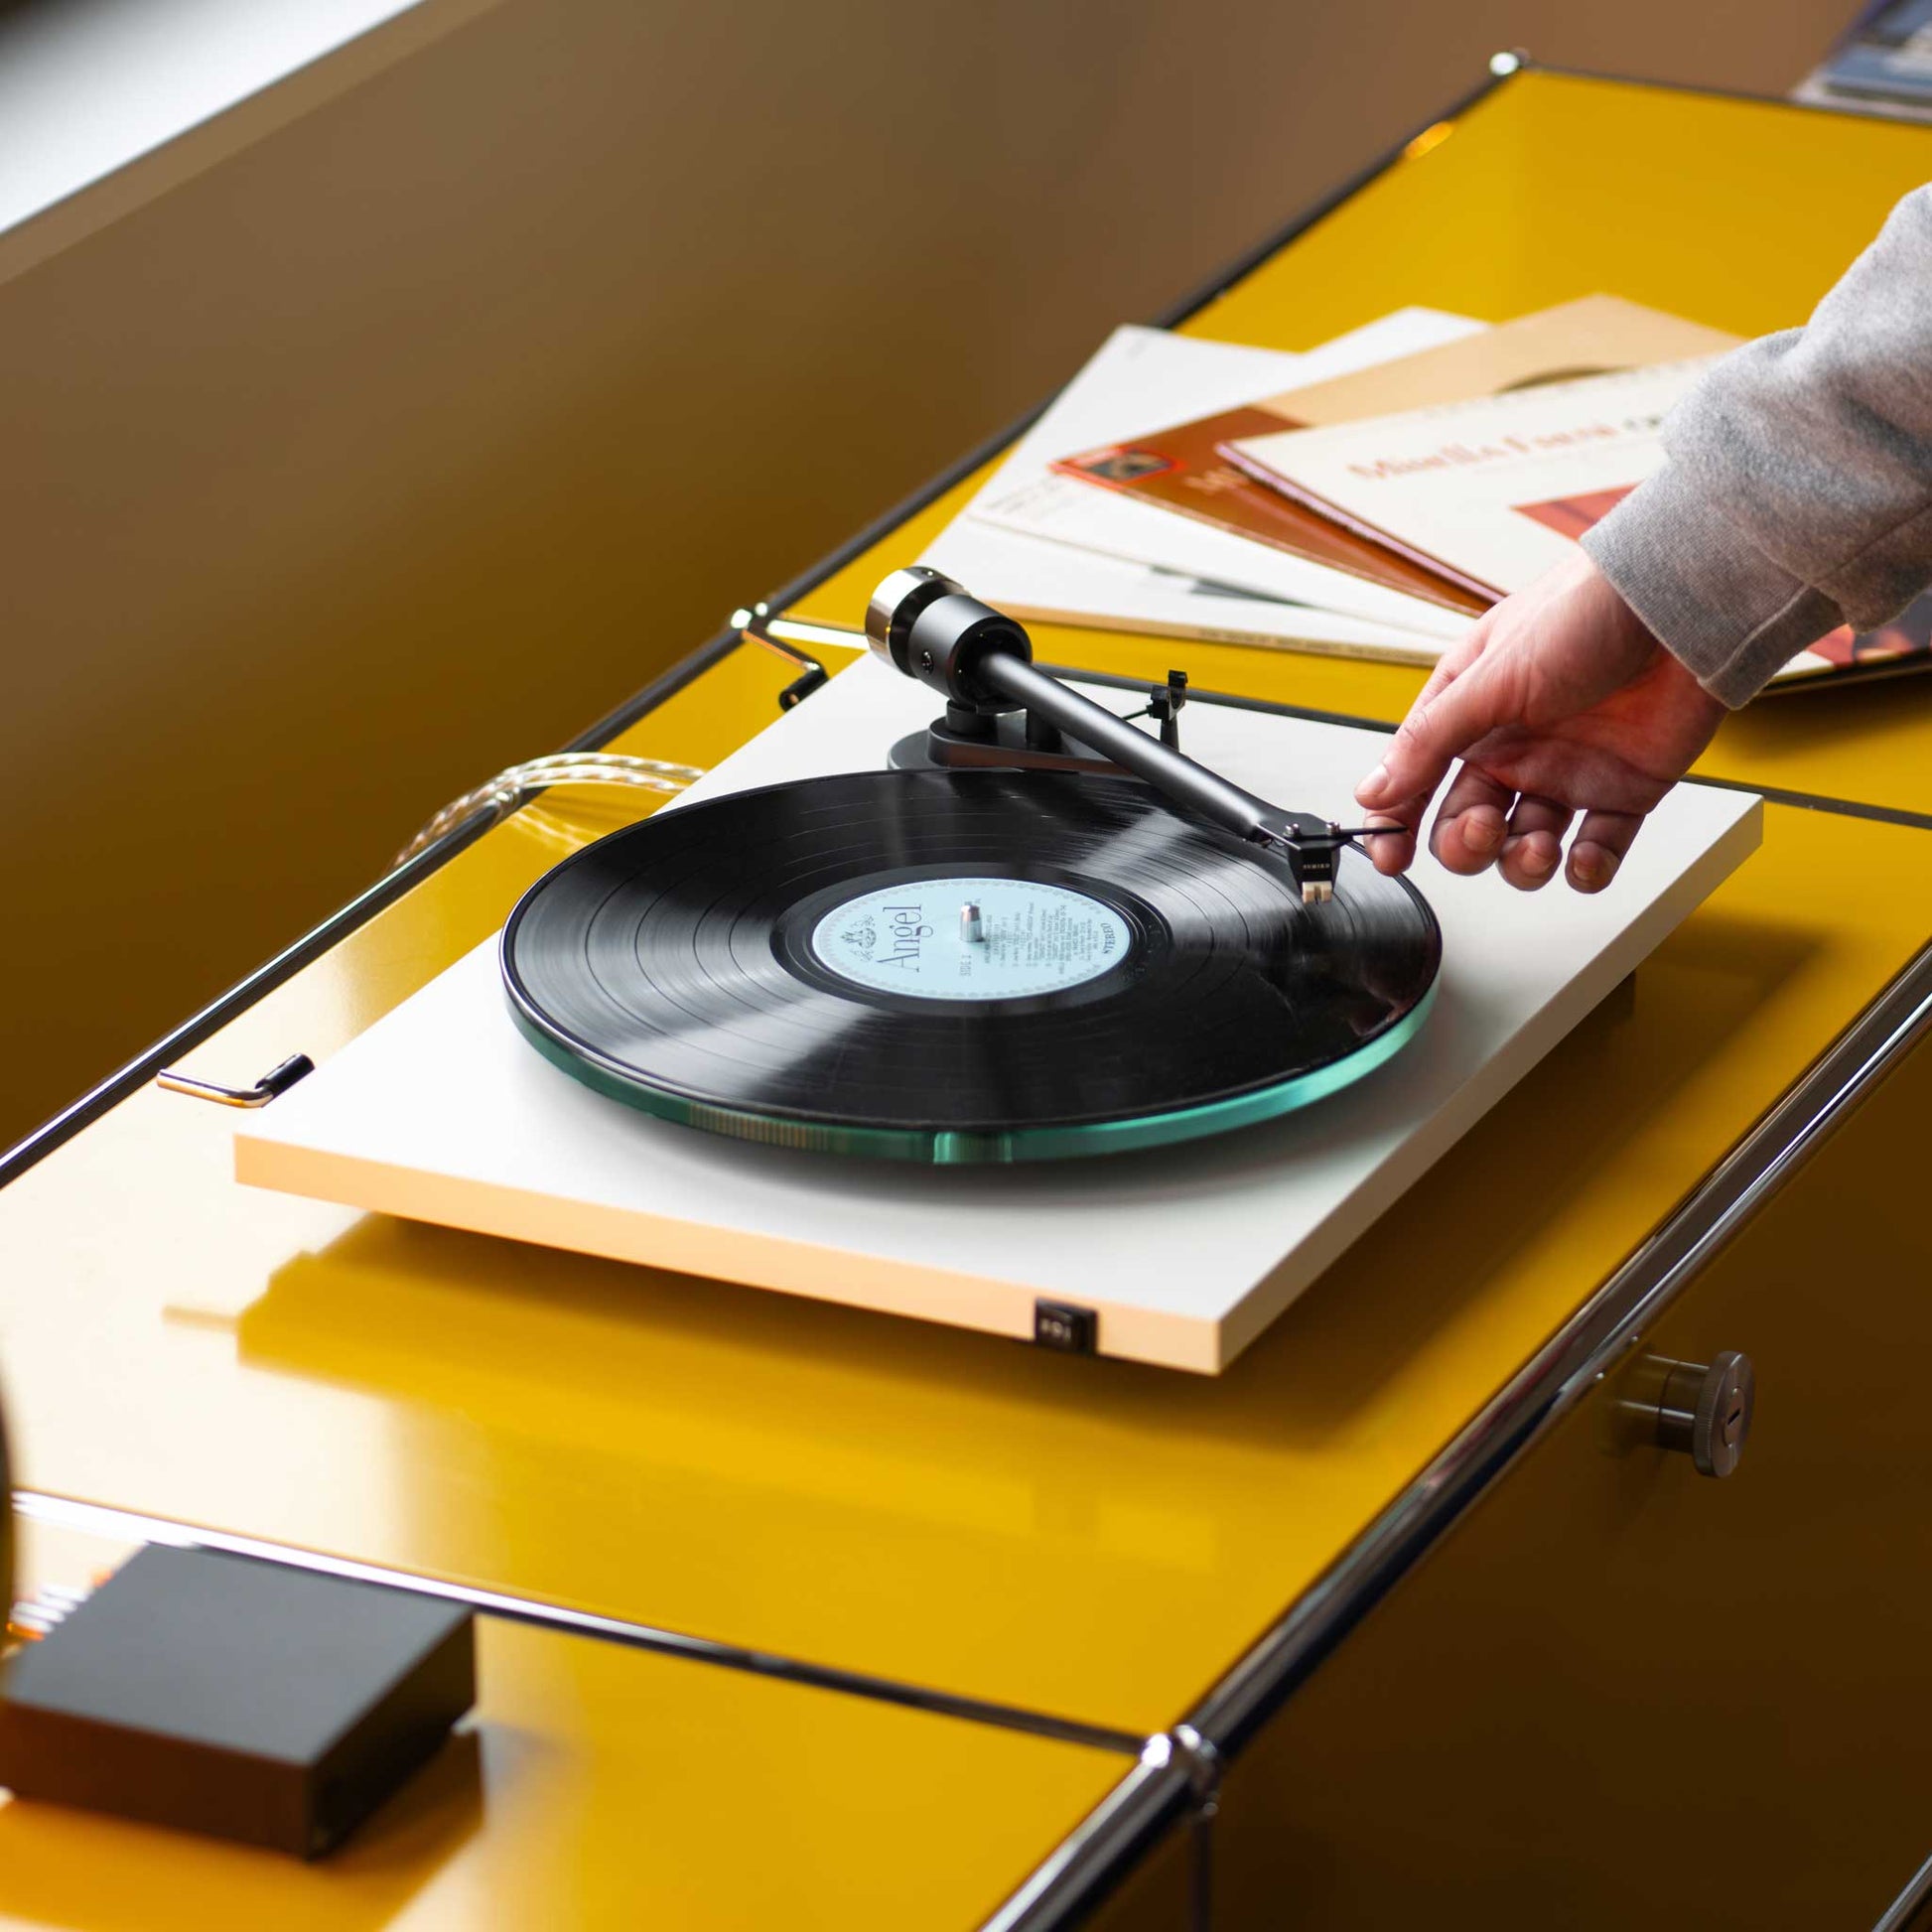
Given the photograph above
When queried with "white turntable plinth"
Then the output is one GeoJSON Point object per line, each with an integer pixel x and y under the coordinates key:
{"type": "Point", "coordinates": [441, 1112]}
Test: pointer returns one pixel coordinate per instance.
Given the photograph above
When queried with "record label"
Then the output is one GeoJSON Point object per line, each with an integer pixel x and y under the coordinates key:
{"type": "Point", "coordinates": [974, 938]}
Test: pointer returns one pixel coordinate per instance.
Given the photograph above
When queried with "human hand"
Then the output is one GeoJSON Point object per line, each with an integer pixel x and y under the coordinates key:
{"type": "Point", "coordinates": [1557, 701]}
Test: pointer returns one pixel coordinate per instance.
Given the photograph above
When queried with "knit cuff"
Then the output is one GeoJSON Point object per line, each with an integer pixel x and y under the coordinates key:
{"type": "Point", "coordinates": [1721, 606]}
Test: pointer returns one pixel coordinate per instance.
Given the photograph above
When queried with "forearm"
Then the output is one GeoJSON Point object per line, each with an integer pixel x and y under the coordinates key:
{"type": "Point", "coordinates": [1798, 492]}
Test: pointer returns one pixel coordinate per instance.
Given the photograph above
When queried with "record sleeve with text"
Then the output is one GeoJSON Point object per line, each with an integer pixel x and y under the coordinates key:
{"type": "Point", "coordinates": [1182, 469]}
{"type": "Point", "coordinates": [1496, 489]}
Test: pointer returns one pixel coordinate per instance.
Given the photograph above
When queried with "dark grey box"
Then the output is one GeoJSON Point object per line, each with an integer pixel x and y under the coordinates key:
{"type": "Point", "coordinates": [237, 1697]}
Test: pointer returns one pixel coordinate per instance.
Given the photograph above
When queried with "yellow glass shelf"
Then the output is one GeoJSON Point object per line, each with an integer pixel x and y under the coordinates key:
{"type": "Point", "coordinates": [1081, 1537]}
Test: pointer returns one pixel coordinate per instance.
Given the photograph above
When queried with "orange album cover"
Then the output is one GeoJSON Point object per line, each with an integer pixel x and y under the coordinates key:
{"type": "Point", "coordinates": [1182, 469]}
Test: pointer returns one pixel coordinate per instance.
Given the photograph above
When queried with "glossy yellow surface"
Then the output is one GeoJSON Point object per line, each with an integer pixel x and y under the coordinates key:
{"type": "Point", "coordinates": [598, 1785]}
{"type": "Point", "coordinates": [1082, 1537]}
{"type": "Point", "coordinates": [1734, 212]}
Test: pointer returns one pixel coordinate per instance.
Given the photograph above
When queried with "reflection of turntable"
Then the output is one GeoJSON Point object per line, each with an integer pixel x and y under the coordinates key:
{"type": "Point", "coordinates": [1090, 968]}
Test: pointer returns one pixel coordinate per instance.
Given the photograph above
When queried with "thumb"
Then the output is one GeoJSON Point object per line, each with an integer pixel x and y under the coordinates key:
{"type": "Point", "coordinates": [1437, 729]}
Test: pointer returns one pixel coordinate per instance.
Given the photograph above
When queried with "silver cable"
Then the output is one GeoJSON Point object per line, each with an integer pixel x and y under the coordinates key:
{"type": "Point", "coordinates": [514, 788]}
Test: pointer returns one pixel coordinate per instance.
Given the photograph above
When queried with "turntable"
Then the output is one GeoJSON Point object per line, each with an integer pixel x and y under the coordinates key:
{"type": "Point", "coordinates": [1018, 1017]}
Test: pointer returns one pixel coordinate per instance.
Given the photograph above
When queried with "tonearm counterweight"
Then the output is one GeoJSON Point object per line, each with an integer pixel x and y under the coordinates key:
{"type": "Point", "coordinates": [928, 626]}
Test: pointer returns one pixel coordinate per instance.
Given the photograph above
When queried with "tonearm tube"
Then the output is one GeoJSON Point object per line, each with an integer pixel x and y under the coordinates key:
{"type": "Point", "coordinates": [928, 628]}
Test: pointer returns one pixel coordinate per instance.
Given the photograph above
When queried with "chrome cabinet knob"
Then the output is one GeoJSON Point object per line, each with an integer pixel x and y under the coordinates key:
{"type": "Point", "coordinates": [1704, 1411]}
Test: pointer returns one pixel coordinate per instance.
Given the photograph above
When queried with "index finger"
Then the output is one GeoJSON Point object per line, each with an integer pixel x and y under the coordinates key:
{"type": "Point", "coordinates": [1437, 729]}
{"type": "Point", "coordinates": [1416, 760]}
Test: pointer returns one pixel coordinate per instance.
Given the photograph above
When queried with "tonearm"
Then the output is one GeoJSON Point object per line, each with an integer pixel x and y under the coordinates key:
{"type": "Point", "coordinates": [928, 626]}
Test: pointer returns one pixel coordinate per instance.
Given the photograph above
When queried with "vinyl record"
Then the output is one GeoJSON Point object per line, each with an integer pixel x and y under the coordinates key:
{"type": "Point", "coordinates": [800, 965]}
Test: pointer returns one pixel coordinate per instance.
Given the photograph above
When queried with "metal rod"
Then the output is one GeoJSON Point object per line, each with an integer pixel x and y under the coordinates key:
{"type": "Point", "coordinates": [1903, 1909]}
{"type": "Point", "coordinates": [1172, 772]}
{"type": "Point", "coordinates": [277, 1080]}
{"type": "Point", "coordinates": [1098, 1853]}
{"type": "Point", "coordinates": [811, 630]}
{"type": "Point", "coordinates": [137, 1526]}
{"type": "Point", "coordinates": [756, 625]}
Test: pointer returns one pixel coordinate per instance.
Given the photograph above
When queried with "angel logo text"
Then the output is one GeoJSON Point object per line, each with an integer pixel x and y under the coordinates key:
{"type": "Point", "coordinates": [903, 932]}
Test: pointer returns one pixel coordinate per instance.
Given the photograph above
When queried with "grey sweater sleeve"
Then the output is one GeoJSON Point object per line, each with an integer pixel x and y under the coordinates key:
{"type": "Point", "coordinates": [1797, 494]}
